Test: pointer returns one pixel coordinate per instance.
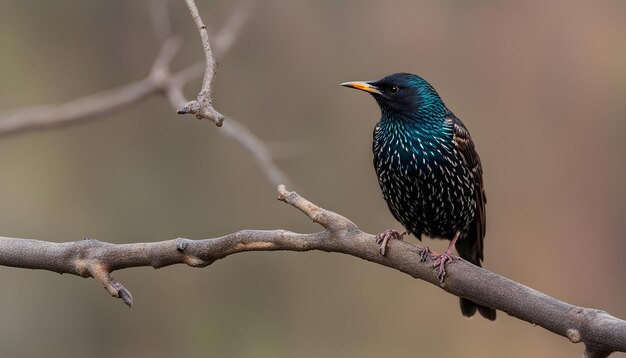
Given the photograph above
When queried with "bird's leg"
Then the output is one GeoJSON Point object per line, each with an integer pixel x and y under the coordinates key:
{"type": "Point", "coordinates": [441, 260]}
{"type": "Point", "coordinates": [383, 238]}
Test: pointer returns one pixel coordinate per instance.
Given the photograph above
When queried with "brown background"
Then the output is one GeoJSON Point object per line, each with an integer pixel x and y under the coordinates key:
{"type": "Point", "coordinates": [541, 85]}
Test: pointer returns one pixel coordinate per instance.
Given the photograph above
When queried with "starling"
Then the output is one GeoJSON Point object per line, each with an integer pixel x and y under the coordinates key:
{"type": "Point", "coordinates": [429, 172]}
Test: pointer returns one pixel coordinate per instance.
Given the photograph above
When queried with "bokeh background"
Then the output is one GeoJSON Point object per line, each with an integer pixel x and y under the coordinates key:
{"type": "Point", "coordinates": [541, 85]}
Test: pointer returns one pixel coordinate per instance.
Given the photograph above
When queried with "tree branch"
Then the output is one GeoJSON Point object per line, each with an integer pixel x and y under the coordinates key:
{"type": "Point", "coordinates": [80, 110]}
{"type": "Point", "coordinates": [202, 106]}
{"type": "Point", "coordinates": [159, 81]}
{"type": "Point", "coordinates": [601, 333]}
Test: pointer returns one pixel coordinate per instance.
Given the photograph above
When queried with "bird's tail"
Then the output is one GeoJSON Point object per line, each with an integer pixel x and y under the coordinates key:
{"type": "Point", "coordinates": [469, 250]}
{"type": "Point", "coordinates": [468, 309]}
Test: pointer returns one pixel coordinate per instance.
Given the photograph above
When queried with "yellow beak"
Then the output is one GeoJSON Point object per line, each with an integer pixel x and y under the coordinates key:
{"type": "Point", "coordinates": [363, 86]}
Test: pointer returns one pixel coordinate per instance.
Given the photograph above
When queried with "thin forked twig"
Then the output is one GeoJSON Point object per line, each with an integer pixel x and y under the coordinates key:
{"type": "Point", "coordinates": [202, 106]}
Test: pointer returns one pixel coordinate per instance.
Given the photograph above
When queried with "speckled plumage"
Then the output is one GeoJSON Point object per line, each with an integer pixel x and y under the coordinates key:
{"type": "Point", "coordinates": [428, 168]}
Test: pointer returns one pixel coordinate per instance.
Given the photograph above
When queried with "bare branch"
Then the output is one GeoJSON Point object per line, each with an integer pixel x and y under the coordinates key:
{"type": "Point", "coordinates": [600, 332]}
{"type": "Point", "coordinates": [202, 106]}
{"type": "Point", "coordinates": [209, 70]}
{"type": "Point", "coordinates": [93, 106]}
{"type": "Point", "coordinates": [159, 81]}
{"type": "Point", "coordinates": [80, 110]}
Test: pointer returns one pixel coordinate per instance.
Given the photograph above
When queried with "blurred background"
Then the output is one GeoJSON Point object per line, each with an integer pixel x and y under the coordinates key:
{"type": "Point", "coordinates": [541, 86]}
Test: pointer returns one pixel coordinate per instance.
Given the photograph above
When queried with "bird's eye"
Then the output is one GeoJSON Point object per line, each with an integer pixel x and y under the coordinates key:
{"type": "Point", "coordinates": [393, 89]}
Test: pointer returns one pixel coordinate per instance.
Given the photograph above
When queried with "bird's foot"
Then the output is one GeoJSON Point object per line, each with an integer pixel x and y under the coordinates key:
{"type": "Point", "coordinates": [383, 238]}
{"type": "Point", "coordinates": [425, 253]}
{"type": "Point", "coordinates": [440, 263]}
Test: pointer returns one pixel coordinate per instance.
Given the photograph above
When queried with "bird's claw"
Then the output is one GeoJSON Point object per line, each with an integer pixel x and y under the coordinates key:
{"type": "Point", "coordinates": [425, 253]}
{"type": "Point", "coordinates": [440, 262]}
{"type": "Point", "coordinates": [383, 238]}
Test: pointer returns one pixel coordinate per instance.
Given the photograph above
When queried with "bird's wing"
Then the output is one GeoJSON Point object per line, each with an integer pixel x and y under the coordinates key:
{"type": "Point", "coordinates": [465, 146]}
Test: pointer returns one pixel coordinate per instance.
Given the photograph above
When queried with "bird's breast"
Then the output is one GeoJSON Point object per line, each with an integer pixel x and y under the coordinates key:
{"type": "Point", "coordinates": [425, 183]}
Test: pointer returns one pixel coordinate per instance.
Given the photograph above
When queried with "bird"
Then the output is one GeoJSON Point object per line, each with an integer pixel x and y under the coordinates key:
{"type": "Point", "coordinates": [429, 172]}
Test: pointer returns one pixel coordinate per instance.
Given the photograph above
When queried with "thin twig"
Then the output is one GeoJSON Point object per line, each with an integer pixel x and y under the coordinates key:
{"type": "Point", "coordinates": [209, 70]}
{"type": "Point", "coordinates": [600, 332]}
{"type": "Point", "coordinates": [93, 106]}
{"type": "Point", "coordinates": [202, 106]}
{"type": "Point", "coordinates": [80, 110]}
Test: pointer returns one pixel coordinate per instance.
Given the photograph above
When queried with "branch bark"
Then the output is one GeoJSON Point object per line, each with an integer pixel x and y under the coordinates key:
{"type": "Point", "coordinates": [600, 332]}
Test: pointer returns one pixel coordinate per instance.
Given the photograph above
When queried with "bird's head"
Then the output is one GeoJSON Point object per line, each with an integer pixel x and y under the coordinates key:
{"type": "Point", "coordinates": [404, 96]}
